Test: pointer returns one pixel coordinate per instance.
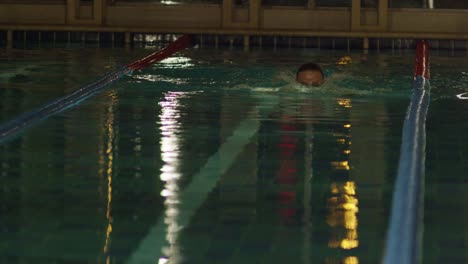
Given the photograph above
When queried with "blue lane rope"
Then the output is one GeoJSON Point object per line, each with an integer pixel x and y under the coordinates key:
{"type": "Point", "coordinates": [405, 232]}
{"type": "Point", "coordinates": [16, 125]}
{"type": "Point", "coordinates": [12, 127]}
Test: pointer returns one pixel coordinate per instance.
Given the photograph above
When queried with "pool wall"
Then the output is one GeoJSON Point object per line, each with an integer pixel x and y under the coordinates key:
{"type": "Point", "coordinates": [229, 24]}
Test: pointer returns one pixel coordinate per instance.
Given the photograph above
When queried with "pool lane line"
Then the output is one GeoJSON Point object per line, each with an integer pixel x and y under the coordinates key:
{"type": "Point", "coordinates": [462, 96]}
{"type": "Point", "coordinates": [14, 126]}
{"type": "Point", "coordinates": [203, 183]}
{"type": "Point", "coordinates": [405, 231]}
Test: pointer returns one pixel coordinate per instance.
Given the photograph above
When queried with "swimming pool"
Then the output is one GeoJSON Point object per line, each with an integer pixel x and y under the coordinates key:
{"type": "Point", "coordinates": [215, 156]}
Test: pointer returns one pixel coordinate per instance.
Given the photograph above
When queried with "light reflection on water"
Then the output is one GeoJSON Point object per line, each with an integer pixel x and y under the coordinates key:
{"type": "Point", "coordinates": [462, 96]}
{"type": "Point", "coordinates": [341, 211]}
{"type": "Point", "coordinates": [170, 174]}
{"type": "Point", "coordinates": [179, 62]}
{"type": "Point", "coordinates": [109, 154]}
{"type": "Point", "coordinates": [343, 206]}
{"type": "Point", "coordinates": [343, 203]}
{"type": "Point", "coordinates": [168, 2]}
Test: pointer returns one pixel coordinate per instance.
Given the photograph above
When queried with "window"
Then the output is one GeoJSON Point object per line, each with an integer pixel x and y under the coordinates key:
{"type": "Point", "coordinates": [333, 3]}
{"type": "Point", "coordinates": [285, 2]}
{"type": "Point", "coordinates": [406, 3]}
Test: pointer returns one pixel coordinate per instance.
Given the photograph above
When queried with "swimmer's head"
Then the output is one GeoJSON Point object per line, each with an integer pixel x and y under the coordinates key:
{"type": "Point", "coordinates": [310, 74]}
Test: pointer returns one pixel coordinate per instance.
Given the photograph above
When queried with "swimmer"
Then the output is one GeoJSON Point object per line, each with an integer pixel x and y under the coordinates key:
{"type": "Point", "coordinates": [311, 74]}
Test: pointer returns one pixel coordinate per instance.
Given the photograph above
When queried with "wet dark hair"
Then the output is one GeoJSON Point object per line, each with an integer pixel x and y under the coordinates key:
{"type": "Point", "coordinates": [310, 67]}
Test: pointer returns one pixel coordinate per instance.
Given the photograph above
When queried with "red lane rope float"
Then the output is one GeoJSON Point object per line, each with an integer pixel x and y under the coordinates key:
{"type": "Point", "coordinates": [421, 64]}
{"type": "Point", "coordinates": [14, 126]}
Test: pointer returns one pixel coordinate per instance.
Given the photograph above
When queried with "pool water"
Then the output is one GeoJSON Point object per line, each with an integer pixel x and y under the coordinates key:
{"type": "Point", "coordinates": [216, 156]}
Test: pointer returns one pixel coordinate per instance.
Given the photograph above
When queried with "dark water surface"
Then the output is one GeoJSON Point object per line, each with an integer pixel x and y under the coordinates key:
{"type": "Point", "coordinates": [216, 156]}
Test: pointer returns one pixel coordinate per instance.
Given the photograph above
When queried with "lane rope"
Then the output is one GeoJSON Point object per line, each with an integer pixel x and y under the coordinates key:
{"type": "Point", "coordinates": [16, 125]}
{"type": "Point", "coordinates": [405, 231]}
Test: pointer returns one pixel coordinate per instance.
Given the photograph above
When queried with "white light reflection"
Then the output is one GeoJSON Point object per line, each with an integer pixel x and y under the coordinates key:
{"type": "Point", "coordinates": [169, 2]}
{"type": "Point", "coordinates": [163, 261]}
{"type": "Point", "coordinates": [431, 4]}
{"type": "Point", "coordinates": [170, 175]}
{"type": "Point", "coordinates": [178, 62]}
{"type": "Point", "coordinates": [159, 78]}
{"type": "Point", "coordinates": [463, 96]}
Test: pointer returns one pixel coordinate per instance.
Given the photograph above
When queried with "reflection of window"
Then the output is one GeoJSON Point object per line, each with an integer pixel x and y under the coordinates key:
{"type": "Point", "coordinates": [450, 4]}
{"type": "Point", "coordinates": [333, 3]}
{"type": "Point", "coordinates": [369, 3]}
{"type": "Point", "coordinates": [171, 1]}
{"type": "Point", "coordinates": [405, 3]}
{"type": "Point", "coordinates": [440, 4]}
{"type": "Point", "coordinates": [242, 2]}
{"type": "Point", "coordinates": [284, 2]}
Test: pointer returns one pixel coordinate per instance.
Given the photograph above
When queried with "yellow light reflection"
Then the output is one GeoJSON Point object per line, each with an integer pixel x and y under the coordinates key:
{"type": "Point", "coordinates": [347, 126]}
{"type": "Point", "coordinates": [343, 209]}
{"type": "Point", "coordinates": [349, 243]}
{"type": "Point", "coordinates": [350, 219]}
{"type": "Point", "coordinates": [344, 60]}
{"type": "Point", "coordinates": [350, 203]}
{"type": "Point", "coordinates": [346, 103]}
{"type": "Point", "coordinates": [340, 165]}
{"type": "Point", "coordinates": [109, 153]}
{"type": "Point", "coordinates": [351, 260]}
{"type": "Point", "coordinates": [347, 151]}
{"type": "Point", "coordinates": [334, 188]}
{"type": "Point", "coordinates": [350, 188]}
